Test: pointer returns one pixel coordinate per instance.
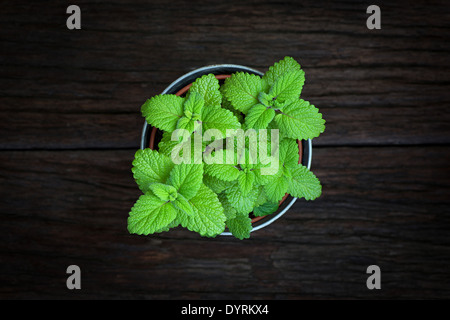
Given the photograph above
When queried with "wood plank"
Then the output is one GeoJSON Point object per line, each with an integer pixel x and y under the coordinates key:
{"type": "Point", "coordinates": [380, 87]}
{"type": "Point", "coordinates": [34, 130]}
{"type": "Point", "coordinates": [357, 126]}
{"type": "Point", "coordinates": [386, 206]}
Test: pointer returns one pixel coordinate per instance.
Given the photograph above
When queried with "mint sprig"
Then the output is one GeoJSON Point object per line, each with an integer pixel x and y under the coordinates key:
{"type": "Point", "coordinates": [201, 107]}
{"type": "Point", "coordinates": [150, 214]}
{"type": "Point", "coordinates": [149, 166]}
{"type": "Point", "coordinates": [275, 96]}
{"type": "Point", "coordinates": [298, 118]}
{"type": "Point", "coordinates": [292, 178]}
{"type": "Point", "coordinates": [208, 218]}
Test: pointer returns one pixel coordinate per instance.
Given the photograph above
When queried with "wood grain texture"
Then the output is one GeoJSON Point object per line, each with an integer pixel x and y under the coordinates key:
{"type": "Point", "coordinates": [68, 210]}
{"type": "Point", "coordinates": [70, 112]}
{"type": "Point", "coordinates": [393, 80]}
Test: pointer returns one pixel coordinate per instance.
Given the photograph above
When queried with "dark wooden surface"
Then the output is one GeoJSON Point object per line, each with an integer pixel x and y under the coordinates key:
{"type": "Point", "coordinates": [70, 124]}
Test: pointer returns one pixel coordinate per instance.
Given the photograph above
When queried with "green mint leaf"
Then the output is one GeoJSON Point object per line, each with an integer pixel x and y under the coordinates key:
{"type": "Point", "coordinates": [300, 120]}
{"type": "Point", "coordinates": [181, 203]}
{"type": "Point", "coordinates": [225, 172]}
{"type": "Point", "coordinates": [163, 191]}
{"type": "Point", "coordinates": [186, 123]}
{"type": "Point", "coordinates": [263, 179]}
{"type": "Point", "coordinates": [186, 178]}
{"type": "Point", "coordinates": [287, 172]}
{"type": "Point", "coordinates": [288, 86]}
{"type": "Point", "coordinates": [228, 209]}
{"type": "Point", "coordinates": [259, 116]}
{"type": "Point", "coordinates": [214, 151]}
{"type": "Point", "coordinates": [248, 155]}
{"type": "Point", "coordinates": [173, 224]}
{"type": "Point", "coordinates": [149, 166]}
{"type": "Point", "coordinates": [265, 209]}
{"type": "Point", "coordinates": [246, 181]}
{"type": "Point", "coordinates": [242, 90]}
{"type": "Point", "coordinates": [266, 99]}
{"type": "Point", "coordinates": [279, 68]}
{"type": "Point", "coordinates": [214, 183]}
{"type": "Point", "coordinates": [208, 218]}
{"type": "Point", "coordinates": [262, 198]}
{"type": "Point", "coordinates": [166, 144]}
{"type": "Point", "coordinates": [220, 119]}
{"type": "Point", "coordinates": [289, 156]}
{"type": "Point", "coordinates": [242, 203]}
{"type": "Point", "coordinates": [176, 148]}
{"type": "Point", "coordinates": [240, 226]}
{"type": "Point", "coordinates": [193, 106]}
{"type": "Point", "coordinates": [150, 214]}
{"type": "Point", "coordinates": [192, 113]}
{"type": "Point", "coordinates": [226, 104]}
{"type": "Point", "coordinates": [277, 187]}
{"type": "Point", "coordinates": [163, 111]}
{"type": "Point", "coordinates": [208, 86]}
{"type": "Point", "coordinates": [304, 184]}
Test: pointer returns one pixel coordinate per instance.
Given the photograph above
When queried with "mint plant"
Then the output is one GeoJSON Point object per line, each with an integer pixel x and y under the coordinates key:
{"type": "Point", "coordinates": [200, 178]}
